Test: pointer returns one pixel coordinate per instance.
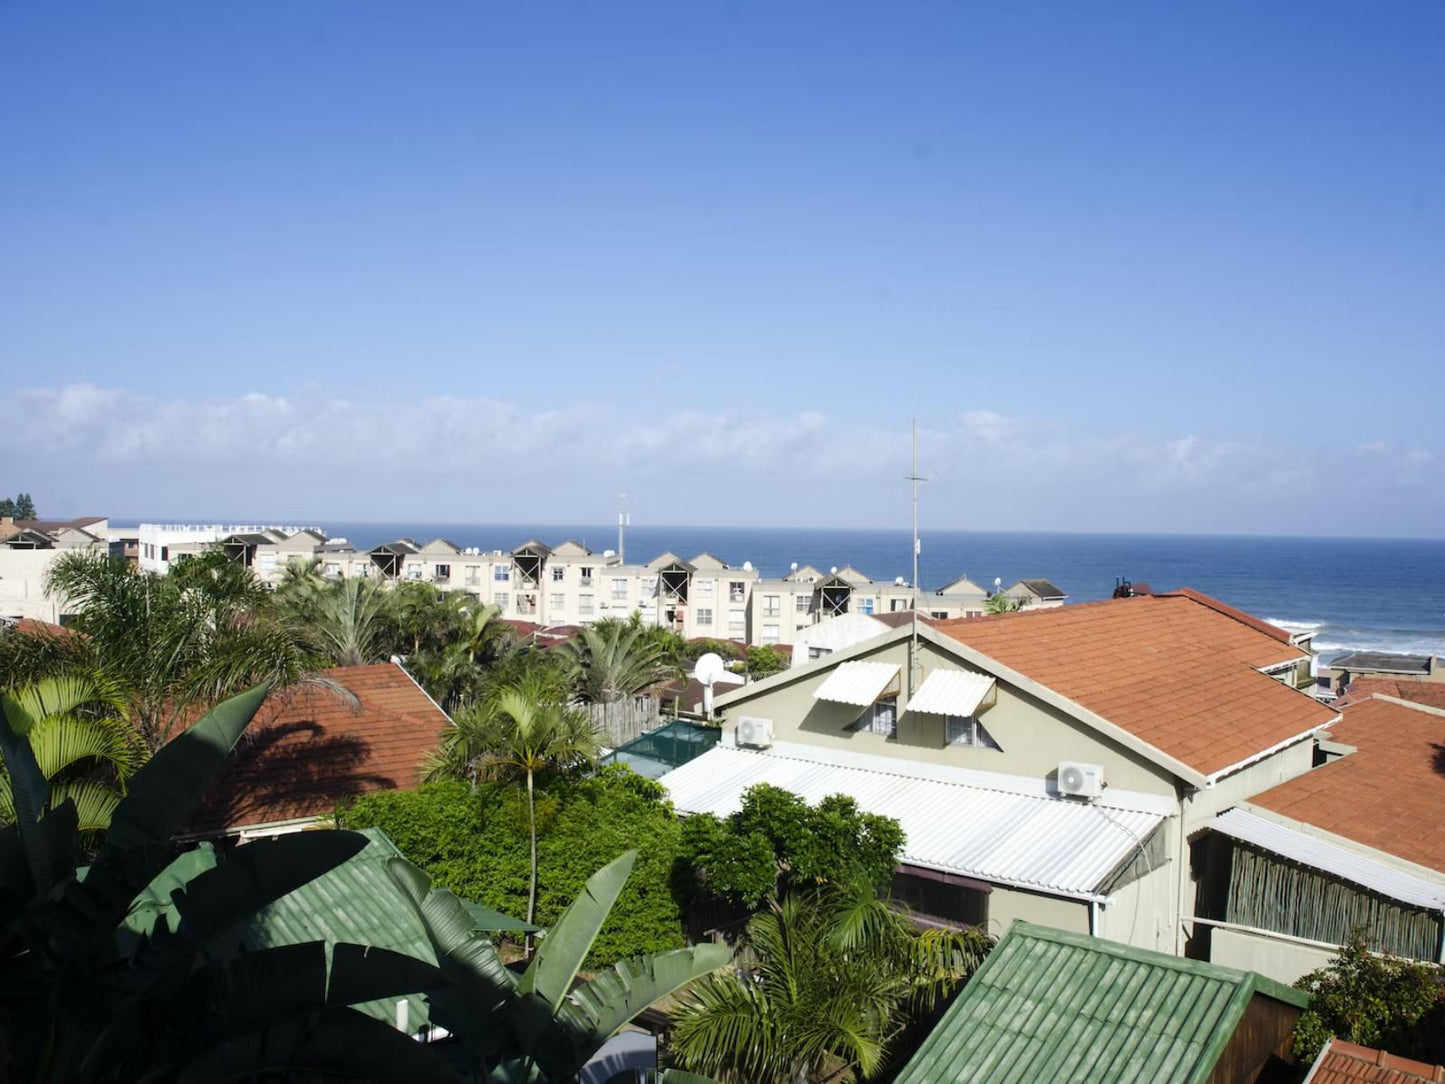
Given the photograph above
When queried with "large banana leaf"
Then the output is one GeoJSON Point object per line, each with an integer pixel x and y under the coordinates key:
{"type": "Point", "coordinates": [163, 793]}
{"type": "Point", "coordinates": [30, 793]}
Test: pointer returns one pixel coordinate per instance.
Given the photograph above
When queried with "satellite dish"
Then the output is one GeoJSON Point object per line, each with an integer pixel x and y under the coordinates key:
{"type": "Point", "coordinates": [708, 668]}
{"type": "Point", "coordinates": [899, 581]}
{"type": "Point", "coordinates": [747, 566]}
{"type": "Point", "coordinates": [997, 582]}
{"type": "Point", "coordinates": [834, 570]}
{"type": "Point", "coordinates": [794, 566]}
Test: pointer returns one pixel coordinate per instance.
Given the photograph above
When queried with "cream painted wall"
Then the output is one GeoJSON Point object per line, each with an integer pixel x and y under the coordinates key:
{"type": "Point", "coordinates": [22, 584]}
{"type": "Point", "coordinates": [1283, 961]}
{"type": "Point", "coordinates": [1005, 905]}
{"type": "Point", "coordinates": [1142, 913]}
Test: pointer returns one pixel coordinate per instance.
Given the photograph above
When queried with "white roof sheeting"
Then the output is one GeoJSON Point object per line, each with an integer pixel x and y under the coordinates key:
{"type": "Point", "coordinates": [1331, 858]}
{"type": "Point", "coordinates": [989, 833]}
{"type": "Point", "coordinates": [860, 683]}
{"type": "Point", "coordinates": [951, 692]}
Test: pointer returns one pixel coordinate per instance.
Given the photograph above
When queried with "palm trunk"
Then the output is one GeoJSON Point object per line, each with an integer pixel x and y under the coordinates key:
{"type": "Point", "coordinates": [532, 884]}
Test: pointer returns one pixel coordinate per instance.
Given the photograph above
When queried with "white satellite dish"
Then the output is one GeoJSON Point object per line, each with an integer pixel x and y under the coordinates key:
{"type": "Point", "coordinates": [834, 570]}
{"type": "Point", "coordinates": [794, 566]}
{"type": "Point", "coordinates": [708, 668]}
{"type": "Point", "coordinates": [997, 582]}
{"type": "Point", "coordinates": [747, 566]}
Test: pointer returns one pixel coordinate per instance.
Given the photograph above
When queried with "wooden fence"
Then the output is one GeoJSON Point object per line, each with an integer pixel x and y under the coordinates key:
{"type": "Point", "coordinates": [626, 720]}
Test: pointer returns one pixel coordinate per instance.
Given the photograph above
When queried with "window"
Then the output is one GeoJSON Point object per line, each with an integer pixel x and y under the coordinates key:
{"type": "Point", "coordinates": [619, 589]}
{"type": "Point", "coordinates": [704, 615]}
{"type": "Point", "coordinates": [867, 605]}
{"type": "Point", "coordinates": [880, 718]}
{"type": "Point", "coordinates": [444, 572]}
{"type": "Point", "coordinates": [770, 634]}
{"type": "Point", "coordinates": [413, 570]}
{"type": "Point", "coordinates": [559, 574]}
{"type": "Point", "coordinates": [735, 590]}
{"type": "Point", "coordinates": [501, 599]}
{"type": "Point", "coordinates": [966, 730]}
{"type": "Point", "coordinates": [801, 603]}
{"type": "Point", "coordinates": [648, 585]}
{"type": "Point", "coordinates": [973, 613]}
{"type": "Point", "coordinates": [819, 652]}
{"type": "Point", "coordinates": [942, 615]}
{"type": "Point", "coordinates": [527, 604]}
{"type": "Point", "coordinates": [584, 603]}
{"type": "Point", "coordinates": [333, 569]}
{"type": "Point", "coordinates": [737, 624]}
{"type": "Point", "coordinates": [586, 573]}
{"type": "Point", "coordinates": [474, 574]}
{"type": "Point", "coordinates": [896, 605]}
{"type": "Point", "coordinates": [556, 602]}
{"type": "Point", "coordinates": [165, 553]}
{"type": "Point", "coordinates": [501, 574]}
{"type": "Point", "coordinates": [771, 606]}
{"type": "Point", "coordinates": [266, 562]}
{"type": "Point", "coordinates": [704, 587]}
{"type": "Point", "coordinates": [361, 569]}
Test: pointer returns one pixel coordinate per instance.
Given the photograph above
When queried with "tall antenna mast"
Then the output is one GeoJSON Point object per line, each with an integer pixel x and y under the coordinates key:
{"type": "Point", "coordinates": [914, 478]}
{"type": "Point", "coordinates": [622, 523]}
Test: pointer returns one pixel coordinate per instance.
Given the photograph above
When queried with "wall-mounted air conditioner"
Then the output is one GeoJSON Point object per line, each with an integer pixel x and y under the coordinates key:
{"type": "Point", "coordinates": [755, 733]}
{"type": "Point", "coordinates": [1078, 780]}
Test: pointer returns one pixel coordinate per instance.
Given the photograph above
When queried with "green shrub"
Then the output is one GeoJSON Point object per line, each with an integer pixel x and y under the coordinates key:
{"type": "Point", "coordinates": [475, 844]}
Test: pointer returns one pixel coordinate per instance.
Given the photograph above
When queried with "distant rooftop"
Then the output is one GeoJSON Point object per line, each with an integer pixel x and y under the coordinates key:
{"type": "Point", "coordinates": [1382, 661]}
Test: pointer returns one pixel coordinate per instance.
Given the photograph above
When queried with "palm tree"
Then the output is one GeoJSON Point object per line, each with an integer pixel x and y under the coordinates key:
{"type": "Point", "coordinates": [517, 734]}
{"type": "Point", "coordinates": [838, 973]}
{"type": "Point", "coordinates": [170, 645]}
{"type": "Point", "coordinates": [613, 660]}
{"type": "Point", "coordinates": [1000, 603]}
{"type": "Point", "coordinates": [83, 746]}
{"type": "Point", "coordinates": [351, 622]}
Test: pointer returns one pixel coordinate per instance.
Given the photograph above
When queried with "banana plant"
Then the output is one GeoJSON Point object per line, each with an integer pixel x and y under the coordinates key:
{"type": "Point", "coordinates": [86, 996]}
{"type": "Point", "coordinates": [538, 1027]}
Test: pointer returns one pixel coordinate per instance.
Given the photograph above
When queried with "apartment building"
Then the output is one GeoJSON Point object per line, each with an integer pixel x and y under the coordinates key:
{"type": "Point", "coordinates": [28, 549]}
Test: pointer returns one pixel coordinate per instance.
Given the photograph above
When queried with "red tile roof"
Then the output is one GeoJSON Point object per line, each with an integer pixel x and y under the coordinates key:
{"type": "Point", "coordinates": [1346, 1063]}
{"type": "Point", "coordinates": [1429, 693]}
{"type": "Point", "coordinates": [1388, 794]}
{"type": "Point", "coordinates": [308, 749]}
{"type": "Point", "coordinates": [1177, 671]}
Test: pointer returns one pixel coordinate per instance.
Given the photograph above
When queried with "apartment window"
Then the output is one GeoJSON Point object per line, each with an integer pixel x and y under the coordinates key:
{"type": "Point", "coordinates": [867, 605]}
{"type": "Point", "coordinates": [165, 553]}
{"type": "Point", "coordinates": [735, 590]}
{"type": "Point", "coordinates": [966, 730]}
{"type": "Point", "coordinates": [897, 604]}
{"type": "Point", "coordinates": [444, 572]}
{"type": "Point", "coordinates": [771, 606]}
{"type": "Point", "coordinates": [648, 585]}
{"type": "Point", "coordinates": [971, 613]}
{"type": "Point", "coordinates": [819, 652]}
{"type": "Point", "coordinates": [559, 574]}
{"type": "Point", "coordinates": [584, 604]}
{"type": "Point", "coordinates": [501, 599]}
{"type": "Point", "coordinates": [737, 624]}
{"type": "Point", "coordinates": [266, 562]}
{"type": "Point", "coordinates": [474, 574]}
{"type": "Point", "coordinates": [943, 614]}
{"type": "Point", "coordinates": [704, 587]}
{"type": "Point", "coordinates": [556, 602]}
{"type": "Point", "coordinates": [527, 604]}
{"type": "Point", "coordinates": [586, 573]}
{"type": "Point", "coordinates": [333, 569]}
{"type": "Point", "coordinates": [704, 616]}
{"type": "Point", "coordinates": [413, 570]}
{"type": "Point", "coordinates": [771, 634]}
{"type": "Point", "coordinates": [361, 569]}
{"type": "Point", "coordinates": [800, 604]}
{"type": "Point", "coordinates": [619, 589]}
{"type": "Point", "coordinates": [880, 718]}
{"type": "Point", "coordinates": [501, 574]}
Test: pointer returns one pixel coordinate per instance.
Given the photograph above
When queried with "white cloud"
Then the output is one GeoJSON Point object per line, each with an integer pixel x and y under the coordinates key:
{"type": "Point", "coordinates": [448, 458]}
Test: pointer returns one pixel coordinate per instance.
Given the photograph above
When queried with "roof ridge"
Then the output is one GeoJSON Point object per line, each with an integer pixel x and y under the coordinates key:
{"type": "Point", "coordinates": [1415, 705]}
{"type": "Point", "coordinates": [1224, 608]}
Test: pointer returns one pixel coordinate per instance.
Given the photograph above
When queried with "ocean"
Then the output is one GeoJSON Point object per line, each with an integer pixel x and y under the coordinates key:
{"type": "Point", "coordinates": [1385, 594]}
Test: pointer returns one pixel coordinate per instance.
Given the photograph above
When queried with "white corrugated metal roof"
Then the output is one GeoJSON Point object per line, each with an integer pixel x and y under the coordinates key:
{"type": "Point", "coordinates": [951, 692]}
{"type": "Point", "coordinates": [857, 682]}
{"type": "Point", "coordinates": [1331, 858]}
{"type": "Point", "coordinates": [1006, 837]}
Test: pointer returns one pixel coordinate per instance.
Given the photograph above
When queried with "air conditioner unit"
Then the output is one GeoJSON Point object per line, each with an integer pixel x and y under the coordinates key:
{"type": "Point", "coordinates": [1081, 780]}
{"type": "Point", "coordinates": [754, 732]}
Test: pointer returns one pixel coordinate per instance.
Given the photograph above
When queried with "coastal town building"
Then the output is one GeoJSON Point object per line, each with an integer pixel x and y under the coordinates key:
{"type": "Point", "coordinates": [1035, 594]}
{"type": "Point", "coordinates": [1341, 670]}
{"type": "Point", "coordinates": [28, 549]}
{"type": "Point", "coordinates": [1050, 765]}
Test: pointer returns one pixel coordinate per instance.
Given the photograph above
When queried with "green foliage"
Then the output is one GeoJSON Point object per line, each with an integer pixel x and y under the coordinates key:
{"type": "Point", "coordinates": [22, 507]}
{"type": "Point", "coordinates": [475, 844]}
{"type": "Point", "coordinates": [837, 973]}
{"type": "Point", "coordinates": [612, 660]}
{"type": "Point", "coordinates": [999, 603]}
{"type": "Point", "coordinates": [776, 841]}
{"type": "Point", "coordinates": [763, 662]}
{"type": "Point", "coordinates": [695, 649]}
{"type": "Point", "coordinates": [1379, 1001]}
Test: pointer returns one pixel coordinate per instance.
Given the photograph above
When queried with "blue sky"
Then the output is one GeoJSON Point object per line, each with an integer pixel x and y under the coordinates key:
{"type": "Point", "coordinates": [1132, 266]}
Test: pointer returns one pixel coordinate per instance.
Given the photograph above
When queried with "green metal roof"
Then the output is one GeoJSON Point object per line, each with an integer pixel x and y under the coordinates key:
{"type": "Point", "coordinates": [1050, 1005]}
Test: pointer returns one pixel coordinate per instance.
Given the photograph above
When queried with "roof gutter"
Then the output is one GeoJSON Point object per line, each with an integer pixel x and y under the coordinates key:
{"type": "Point", "coordinates": [1215, 777]}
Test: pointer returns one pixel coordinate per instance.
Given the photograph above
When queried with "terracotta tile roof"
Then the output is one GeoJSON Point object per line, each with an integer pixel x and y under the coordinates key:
{"type": "Point", "coordinates": [1429, 693]}
{"type": "Point", "coordinates": [1177, 671]}
{"type": "Point", "coordinates": [1345, 1063]}
{"type": "Point", "coordinates": [896, 619]}
{"type": "Point", "coordinates": [1388, 794]}
{"type": "Point", "coordinates": [308, 749]}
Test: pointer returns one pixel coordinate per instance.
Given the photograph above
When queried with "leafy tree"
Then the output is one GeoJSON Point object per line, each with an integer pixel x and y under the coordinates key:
{"type": "Point", "coordinates": [456, 672]}
{"type": "Point", "coordinates": [22, 507]}
{"type": "Point", "coordinates": [170, 645]}
{"type": "Point", "coordinates": [1380, 1001]}
{"type": "Point", "coordinates": [1000, 603]}
{"type": "Point", "coordinates": [763, 662]}
{"type": "Point", "coordinates": [776, 841]}
{"type": "Point", "coordinates": [838, 972]}
{"type": "Point", "coordinates": [614, 660]}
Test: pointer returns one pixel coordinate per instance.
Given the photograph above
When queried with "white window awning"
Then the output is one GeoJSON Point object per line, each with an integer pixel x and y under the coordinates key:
{"type": "Point", "coordinates": [858, 683]}
{"type": "Point", "coordinates": [952, 692]}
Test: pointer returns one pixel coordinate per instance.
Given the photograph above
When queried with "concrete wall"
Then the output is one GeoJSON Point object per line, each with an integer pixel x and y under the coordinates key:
{"type": "Point", "coordinates": [1005, 905]}
{"type": "Point", "coordinates": [1283, 961]}
{"type": "Point", "coordinates": [1141, 913]}
{"type": "Point", "coordinates": [22, 584]}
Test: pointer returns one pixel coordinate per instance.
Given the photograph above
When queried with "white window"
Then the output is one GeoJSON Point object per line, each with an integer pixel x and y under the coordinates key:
{"type": "Point", "coordinates": [586, 573]}
{"type": "Point", "coordinates": [966, 730]}
{"type": "Point", "coordinates": [413, 570]}
{"type": "Point", "coordinates": [266, 562]}
{"type": "Point", "coordinates": [735, 590]}
{"type": "Point", "coordinates": [704, 587]}
{"type": "Point", "coordinates": [880, 718]}
{"type": "Point", "coordinates": [771, 606]}
{"type": "Point", "coordinates": [737, 624]}
{"type": "Point", "coordinates": [800, 604]}
{"type": "Point", "coordinates": [898, 604]}
{"type": "Point", "coordinates": [474, 574]}
{"type": "Point", "coordinates": [648, 585]}
{"type": "Point", "coordinates": [501, 574]}
{"type": "Point", "coordinates": [527, 604]}
{"type": "Point", "coordinates": [704, 615]}
{"type": "Point", "coordinates": [558, 574]}
{"type": "Point", "coordinates": [444, 572]}
{"type": "Point", "coordinates": [361, 568]}
{"type": "Point", "coordinates": [333, 569]}
{"type": "Point", "coordinates": [501, 599]}
{"type": "Point", "coordinates": [584, 604]}
{"type": "Point", "coordinates": [556, 602]}
{"type": "Point", "coordinates": [819, 652]}
{"type": "Point", "coordinates": [619, 590]}
{"type": "Point", "coordinates": [770, 634]}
